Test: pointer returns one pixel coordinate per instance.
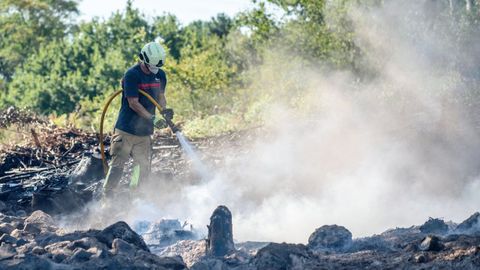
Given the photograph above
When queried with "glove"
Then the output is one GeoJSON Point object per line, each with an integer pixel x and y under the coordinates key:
{"type": "Point", "coordinates": [167, 114]}
{"type": "Point", "coordinates": [161, 123]}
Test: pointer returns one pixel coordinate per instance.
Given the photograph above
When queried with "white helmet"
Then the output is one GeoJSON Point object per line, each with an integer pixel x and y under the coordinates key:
{"type": "Point", "coordinates": [153, 55]}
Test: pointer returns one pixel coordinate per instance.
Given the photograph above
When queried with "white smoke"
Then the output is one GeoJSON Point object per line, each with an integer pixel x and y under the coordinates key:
{"type": "Point", "coordinates": [366, 154]}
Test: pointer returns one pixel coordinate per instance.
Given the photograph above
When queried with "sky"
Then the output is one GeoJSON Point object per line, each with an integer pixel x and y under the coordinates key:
{"type": "Point", "coordinates": [185, 10]}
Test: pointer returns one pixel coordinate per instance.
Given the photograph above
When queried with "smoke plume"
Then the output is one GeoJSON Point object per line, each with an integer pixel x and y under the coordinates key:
{"type": "Point", "coordinates": [368, 154]}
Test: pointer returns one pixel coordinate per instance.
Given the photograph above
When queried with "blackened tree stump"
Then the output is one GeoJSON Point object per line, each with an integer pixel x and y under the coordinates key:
{"type": "Point", "coordinates": [220, 233]}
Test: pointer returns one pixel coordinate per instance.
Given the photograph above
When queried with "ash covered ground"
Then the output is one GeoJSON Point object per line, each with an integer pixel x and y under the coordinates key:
{"type": "Point", "coordinates": [51, 219]}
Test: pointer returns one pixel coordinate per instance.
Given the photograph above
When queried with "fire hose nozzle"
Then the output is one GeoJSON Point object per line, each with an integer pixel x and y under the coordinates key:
{"type": "Point", "coordinates": [172, 126]}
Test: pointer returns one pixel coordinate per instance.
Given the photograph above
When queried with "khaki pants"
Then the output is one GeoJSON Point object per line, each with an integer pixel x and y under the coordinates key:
{"type": "Point", "coordinates": [125, 145]}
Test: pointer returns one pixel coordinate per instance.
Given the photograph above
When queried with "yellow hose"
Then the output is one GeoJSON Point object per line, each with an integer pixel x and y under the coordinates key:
{"type": "Point", "coordinates": [105, 108]}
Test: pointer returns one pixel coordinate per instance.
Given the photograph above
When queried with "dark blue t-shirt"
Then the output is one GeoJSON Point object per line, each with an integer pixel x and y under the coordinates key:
{"type": "Point", "coordinates": [134, 79]}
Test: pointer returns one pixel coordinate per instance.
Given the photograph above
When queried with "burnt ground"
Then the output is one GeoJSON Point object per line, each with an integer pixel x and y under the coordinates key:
{"type": "Point", "coordinates": [57, 172]}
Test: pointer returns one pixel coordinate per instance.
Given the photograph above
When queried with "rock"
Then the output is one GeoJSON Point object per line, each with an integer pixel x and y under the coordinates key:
{"type": "Point", "coordinates": [220, 233]}
{"type": "Point", "coordinates": [86, 243]}
{"type": "Point", "coordinates": [122, 231]}
{"type": "Point", "coordinates": [63, 245]}
{"type": "Point", "coordinates": [40, 219]}
{"type": "Point", "coordinates": [174, 263]}
{"type": "Point", "coordinates": [431, 243]}
{"type": "Point", "coordinates": [19, 256]}
{"type": "Point", "coordinates": [47, 238]}
{"type": "Point", "coordinates": [98, 252]}
{"type": "Point", "coordinates": [420, 258]}
{"type": "Point", "coordinates": [330, 237]}
{"type": "Point", "coordinates": [4, 218]}
{"type": "Point", "coordinates": [29, 261]}
{"type": "Point", "coordinates": [215, 263]}
{"type": "Point", "coordinates": [80, 255]}
{"type": "Point", "coordinates": [434, 226]}
{"type": "Point", "coordinates": [21, 213]}
{"type": "Point", "coordinates": [282, 256]}
{"type": "Point", "coordinates": [21, 242]}
{"type": "Point", "coordinates": [3, 206]}
{"type": "Point", "coordinates": [237, 258]}
{"type": "Point", "coordinates": [209, 263]}
{"type": "Point", "coordinates": [59, 257]}
{"type": "Point", "coordinates": [6, 238]}
{"type": "Point", "coordinates": [6, 228]}
{"type": "Point", "coordinates": [470, 225]}
{"type": "Point", "coordinates": [120, 246]}
{"type": "Point", "coordinates": [38, 250]}
{"type": "Point", "coordinates": [18, 233]}
{"type": "Point", "coordinates": [375, 242]}
{"type": "Point", "coordinates": [25, 247]}
{"type": "Point", "coordinates": [474, 250]}
{"type": "Point", "coordinates": [59, 251]}
{"type": "Point", "coordinates": [12, 219]}
{"type": "Point", "coordinates": [31, 228]}
{"type": "Point", "coordinates": [6, 251]}
{"type": "Point", "coordinates": [18, 224]}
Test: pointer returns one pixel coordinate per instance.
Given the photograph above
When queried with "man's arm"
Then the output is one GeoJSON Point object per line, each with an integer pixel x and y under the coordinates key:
{"type": "Point", "coordinates": [135, 105]}
{"type": "Point", "coordinates": [130, 84]}
{"type": "Point", "coordinates": [162, 101]}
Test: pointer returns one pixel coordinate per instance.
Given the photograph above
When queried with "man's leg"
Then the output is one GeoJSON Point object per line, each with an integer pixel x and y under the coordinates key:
{"type": "Point", "coordinates": [141, 153]}
{"type": "Point", "coordinates": [120, 151]}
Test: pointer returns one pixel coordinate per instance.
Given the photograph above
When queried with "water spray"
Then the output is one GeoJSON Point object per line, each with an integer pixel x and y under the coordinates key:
{"type": "Point", "coordinates": [185, 144]}
{"type": "Point", "coordinates": [197, 162]}
{"type": "Point", "coordinates": [189, 150]}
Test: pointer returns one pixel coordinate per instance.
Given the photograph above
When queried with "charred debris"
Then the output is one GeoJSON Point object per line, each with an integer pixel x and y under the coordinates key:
{"type": "Point", "coordinates": [56, 171]}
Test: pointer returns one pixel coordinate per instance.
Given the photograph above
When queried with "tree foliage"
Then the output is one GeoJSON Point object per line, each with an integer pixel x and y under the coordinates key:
{"type": "Point", "coordinates": [26, 25]}
{"type": "Point", "coordinates": [52, 65]}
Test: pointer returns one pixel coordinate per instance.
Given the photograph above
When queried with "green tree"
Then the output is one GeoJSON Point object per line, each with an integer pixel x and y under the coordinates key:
{"type": "Point", "coordinates": [168, 28]}
{"type": "Point", "coordinates": [220, 25]}
{"type": "Point", "coordinates": [27, 24]}
{"type": "Point", "coordinates": [200, 82]}
{"type": "Point", "coordinates": [308, 34]}
{"type": "Point", "coordinates": [89, 63]}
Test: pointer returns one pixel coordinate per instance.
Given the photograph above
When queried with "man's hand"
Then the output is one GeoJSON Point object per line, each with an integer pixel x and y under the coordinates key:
{"type": "Point", "coordinates": [167, 114]}
{"type": "Point", "coordinates": [161, 123]}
